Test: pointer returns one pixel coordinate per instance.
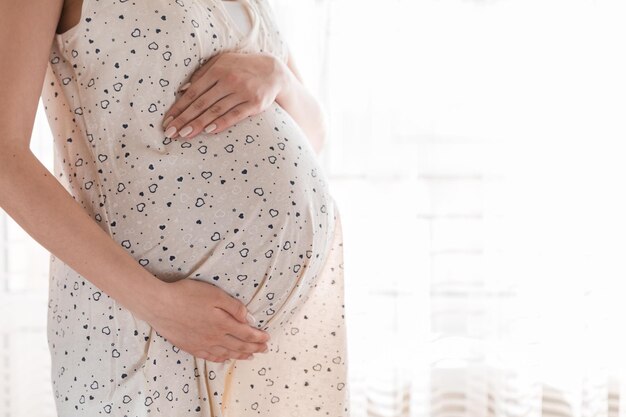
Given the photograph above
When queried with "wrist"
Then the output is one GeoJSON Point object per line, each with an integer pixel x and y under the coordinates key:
{"type": "Point", "coordinates": [153, 298]}
{"type": "Point", "coordinates": [286, 80]}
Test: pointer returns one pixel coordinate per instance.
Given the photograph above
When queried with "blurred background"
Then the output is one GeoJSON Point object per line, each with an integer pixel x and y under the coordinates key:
{"type": "Point", "coordinates": [476, 154]}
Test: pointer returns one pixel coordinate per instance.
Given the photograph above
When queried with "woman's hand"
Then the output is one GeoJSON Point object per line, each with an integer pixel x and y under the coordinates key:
{"type": "Point", "coordinates": [226, 89]}
{"type": "Point", "coordinates": [206, 321]}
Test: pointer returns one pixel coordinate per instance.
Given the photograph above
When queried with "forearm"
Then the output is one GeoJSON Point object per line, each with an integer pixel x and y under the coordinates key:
{"type": "Point", "coordinates": [34, 198]}
{"type": "Point", "coordinates": [303, 107]}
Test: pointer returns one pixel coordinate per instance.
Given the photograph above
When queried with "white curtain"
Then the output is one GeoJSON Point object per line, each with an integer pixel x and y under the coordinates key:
{"type": "Point", "coordinates": [476, 154]}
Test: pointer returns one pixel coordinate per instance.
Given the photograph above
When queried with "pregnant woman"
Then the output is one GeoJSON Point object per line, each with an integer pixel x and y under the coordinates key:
{"type": "Point", "coordinates": [196, 253]}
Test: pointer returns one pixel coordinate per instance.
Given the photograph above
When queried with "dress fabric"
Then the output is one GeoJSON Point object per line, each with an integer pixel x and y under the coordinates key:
{"type": "Point", "coordinates": [247, 210]}
{"type": "Point", "coordinates": [239, 15]}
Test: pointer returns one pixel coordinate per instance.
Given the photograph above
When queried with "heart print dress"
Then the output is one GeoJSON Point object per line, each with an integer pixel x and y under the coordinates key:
{"type": "Point", "coordinates": [247, 209]}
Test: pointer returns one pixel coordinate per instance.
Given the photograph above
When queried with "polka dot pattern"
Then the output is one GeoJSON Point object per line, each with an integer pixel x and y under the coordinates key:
{"type": "Point", "coordinates": [247, 209]}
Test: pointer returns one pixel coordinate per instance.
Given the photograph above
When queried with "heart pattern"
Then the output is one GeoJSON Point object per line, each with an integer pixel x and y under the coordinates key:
{"type": "Point", "coordinates": [247, 210]}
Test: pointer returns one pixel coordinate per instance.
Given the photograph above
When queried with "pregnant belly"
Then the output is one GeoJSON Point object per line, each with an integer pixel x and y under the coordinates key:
{"type": "Point", "coordinates": [247, 209]}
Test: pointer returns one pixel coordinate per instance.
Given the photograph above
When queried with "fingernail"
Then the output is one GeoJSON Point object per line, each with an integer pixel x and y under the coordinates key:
{"type": "Point", "coordinates": [185, 131]}
{"type": "Point", "coordinates": [250, 319]}
{"type": "Point", "coordinates": [267, 349]}
{"type": "Point", "coordinates": [170, 131]}
{"type": "Point", "coordinates": [210, 128]}
{"type": "Point", "coordinates": [168, 120]}
{"type": "Point", "coordinates": [184, 87]}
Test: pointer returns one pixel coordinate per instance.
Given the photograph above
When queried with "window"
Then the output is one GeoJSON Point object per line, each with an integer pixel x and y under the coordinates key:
{"type": "Point", "coordinates": [476, 155]}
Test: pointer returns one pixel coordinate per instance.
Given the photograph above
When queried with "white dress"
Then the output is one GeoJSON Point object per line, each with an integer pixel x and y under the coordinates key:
{"type": "Point", "coordinates": [247, 210]}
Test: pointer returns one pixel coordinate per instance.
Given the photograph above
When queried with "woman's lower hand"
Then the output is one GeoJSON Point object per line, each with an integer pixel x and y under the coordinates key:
{"type": "Point", "coordinates": [205, 321]}
{"type": "Point", "coordinates": [226, 89]}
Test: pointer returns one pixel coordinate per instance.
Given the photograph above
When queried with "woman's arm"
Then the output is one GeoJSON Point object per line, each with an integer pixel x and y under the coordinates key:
{"type": "Point", "coordinates": [302, 105]}
{"type": "Point", "coordinates": [28, 192]}
{"type": "Point", "coordinates": [50, 215]}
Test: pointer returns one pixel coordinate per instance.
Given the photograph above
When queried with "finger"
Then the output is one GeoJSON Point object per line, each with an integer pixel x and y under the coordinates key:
{"type": "Point", "coordinates": [232, 306]}
{"type": "Point", "coordinates": [195, 90]}
{"type": "Point", "coordinates": [195, 109]}
{"type": "Point", "coordinates": [198, 73]}
{"type": "Point", "coordinates": [234, 115]}
{"type": "Point", "coordinates": [245, 332]}
{"type": "Point", "coordinates": [204, 68]}
{"type": "Point", "coordinates": [208, 356]}
{"type": "Point", "coordinates": [241, 329]}
{"type": "Point", "coordinates": [203, 122]}
{"type": "Point", "coordinates": [223, 352]}
{"type": "Point", "coordinates": [235, 344]}
{"type": "Point", "coordinates": [214, 358]}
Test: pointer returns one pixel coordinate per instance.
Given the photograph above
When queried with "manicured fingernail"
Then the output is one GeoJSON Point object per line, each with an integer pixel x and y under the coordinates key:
{"type": "Point", "coordinates": [185, 131]}
{"type": "Point", "coordinates": [168, 120]}
{"type": "Point", "coordinates": [210, 128]}
{"type": "Point", "coordinates": [184, 87]}
{"type": "Point", "coordinates": [170, 131]}
{"type": "Point", "coordinates": [250, 318]}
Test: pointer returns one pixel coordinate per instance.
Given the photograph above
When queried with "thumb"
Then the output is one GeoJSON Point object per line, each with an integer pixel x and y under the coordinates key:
{"type": "Point", "coordinates": [204, 68]}
{"type": "Point", "coordinates": [237, 309]}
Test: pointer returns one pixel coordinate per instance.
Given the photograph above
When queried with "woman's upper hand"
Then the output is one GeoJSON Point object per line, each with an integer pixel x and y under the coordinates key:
{"type": "Point", "coordinates": [194, 315]}
{"type": "Point", "coordinates": [204, 320]}
{"type": "Point", "coordinates": [226, 89]}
